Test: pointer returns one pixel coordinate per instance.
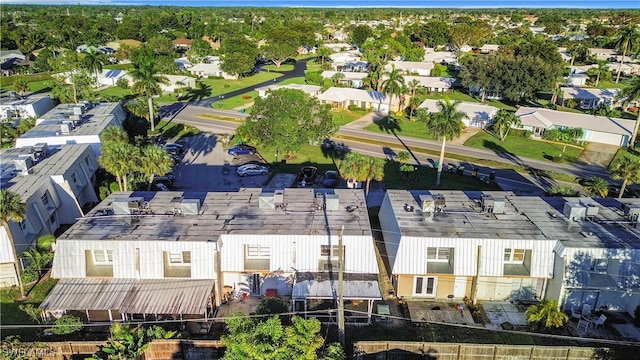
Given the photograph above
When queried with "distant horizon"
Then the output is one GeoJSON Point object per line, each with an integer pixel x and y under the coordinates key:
{"type": "Point", "coordinates": [369, 4]}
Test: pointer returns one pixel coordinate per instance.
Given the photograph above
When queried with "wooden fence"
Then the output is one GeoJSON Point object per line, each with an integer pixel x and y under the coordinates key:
{"type": "Point", "coordinates": [396, 350]}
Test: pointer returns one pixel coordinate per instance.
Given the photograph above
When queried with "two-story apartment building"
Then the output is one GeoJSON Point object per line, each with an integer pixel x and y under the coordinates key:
{"type": "Point", "coordinates": [14, 110]}
{"type": "Point", "coordinates": [180, 246]}
{"type": "Point", "coordinates": [74, 124]}
{"type": "Point", "coordinates": [54, 184]}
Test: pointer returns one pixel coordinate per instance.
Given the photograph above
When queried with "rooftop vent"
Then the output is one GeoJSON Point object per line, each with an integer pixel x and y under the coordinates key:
{"type": "Point", "coordinates": [190, 207]}
{"type": "Point", "coordinates": [265, 201]}
{"type": "Point", "coordinates": [487, 202]}
{"type": "Point", "coordinates": [278, 197]}
{"type": "Point", "coordinates": [78, 110]}
{"type": "Point", "coordinates": [632, 212]}
{"type": "Point", "coordinates": [498, 206]}
{"type": "Point", "coordinates": [176, 204]}
{"type": "Point", "coordinates": [439, 201]}
{"type": "Point", "coordinates": [331, 202]}
{"type": "Point", "coordinates": [408, 208]}
{"type": "Point", "coordinates": [574, 211]}
{"type": "Point", "coordinates": [126, 206]}
{"type": "Point", "coordinates": [40, 151]}
{"type": "Point", "coordinates": [427, 203]}
{"type": "Point", "coordinates": [591, 207]}
{"type": "Point", "coordinates": [23, 164]}
{"type": "Point", "coordinates": [66, 127]}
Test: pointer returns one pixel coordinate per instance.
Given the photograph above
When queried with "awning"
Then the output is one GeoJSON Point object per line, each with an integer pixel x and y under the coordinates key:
{"type": "Point", "coordinates": [129, 296]}
{"type": "Point", "coordinates": [325, 286]}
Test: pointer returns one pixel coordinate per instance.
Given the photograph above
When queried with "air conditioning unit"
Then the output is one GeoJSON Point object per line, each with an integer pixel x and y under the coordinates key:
{"type": "Point", "coordinates": [427, 204]}
{"type": "Point", "coordinates": [439, 201]}
{"type": "Point", "coordinates": [574, 211]}
{"type": "Point", "coordinates": [591, 207]}
{"type": "Point", "coordinates": [190, 207]}
{"type": "Point", "coordinates": [265, 201]}
{"type": "Point", "coordinates": [498, 206]}
{"type": "Point", "coordinates": [23, 164]}
{"type": "Point", "coordinates": [124, 206]}
{"type": "Point", "coordinates": [331, 202]}
{"type": "Point", "coordinates": [278, 197]}
{"type": "Point", "coordinates": [66, 127]}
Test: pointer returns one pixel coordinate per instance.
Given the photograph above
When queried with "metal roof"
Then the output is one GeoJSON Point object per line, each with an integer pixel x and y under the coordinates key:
{"type": "Point", "coordinates": [130, 296]}
{"type": "Point", "coordinates": [324, 285]}
{"type": "Point", "coordinates": [225, 213]}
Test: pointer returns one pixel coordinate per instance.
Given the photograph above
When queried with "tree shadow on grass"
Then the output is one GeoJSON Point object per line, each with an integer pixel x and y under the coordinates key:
{"type": "Point", "coordinates": [390, 127]}
{"type": "Point", "coordinates": [198, 93]}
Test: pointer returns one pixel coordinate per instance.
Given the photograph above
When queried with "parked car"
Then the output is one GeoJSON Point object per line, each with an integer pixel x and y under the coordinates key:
{"type": "Point", "coordinates": [173, 147]}
{"type": "Point", "coordinates": [307, 175]}
{"type": "Point", "coordinates": [162, 187]}
{"type": "Point", "coordinates": [330, 179]}
{"type": "Point", "coordinates": [241, 149]}
{"type": "Point", "coordinates": [252, 169]}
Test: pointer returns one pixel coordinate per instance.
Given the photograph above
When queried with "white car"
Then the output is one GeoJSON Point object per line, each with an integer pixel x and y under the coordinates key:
{"type": "Point", "coordinates": [252, 169]}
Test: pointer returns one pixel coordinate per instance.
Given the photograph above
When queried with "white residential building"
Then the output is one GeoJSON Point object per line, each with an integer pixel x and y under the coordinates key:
{"type": "Point", "coordinates": [341, 98]}
{"type": "Point", "coordinates": [54, 184]}
{"type": "Point", "coordinates": [256, 242]}
{"type": "Point", "coordinates": [74, 124]}
{"type": "Point", "coordinates": [338, 60]}
{"type": "Point", "coordinates": [351, 79]}
{"type": "Point", "coordinates": [337, 47]}
{"type": "Point", "coordinates": [478, 115]}
{"type": "Point", "coordinates": [311, 90]}
{"type": "Point", "coordinates": [178, 82]}
{"type": "Point", "coordinates": [447, 57]}
{"type": "Point", "coordinates": [411, 67]}
{"type": "Point", "coordinates": [210, 67]}
{"type": "Point", "coordinates": [15, 110]}
{"type": "Point", "coordinates": [603, 54]}
{"type": "Point", "coordinates": [599, 129]}
{"type": "Point", "coordinates": [589, 98]}
{"type": "Point", "coordinates": [432, 83]}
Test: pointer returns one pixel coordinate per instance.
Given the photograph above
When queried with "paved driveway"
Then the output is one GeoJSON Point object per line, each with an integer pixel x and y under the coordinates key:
{"type": "Point", "coordinates": [206, 166]}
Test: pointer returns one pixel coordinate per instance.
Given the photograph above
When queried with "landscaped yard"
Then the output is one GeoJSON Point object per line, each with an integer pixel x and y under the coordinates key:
{"type": "Point", "coordinates": [10, 312]}
{"type": "Point", "coordinates": [236, 101]}
{"type": "Point", "coordinates": [402, 126]}
{"type": "Point", "coordinates": [283, 67]}
{"type": "Point", "coordinates": [172, 129]}
{"type": "Point", "coordinates": [521, 147]}
{"type": "Point", "coordinates": [34, 86]}
{"type": "Point", "coordinates": [314, 65]}
{"type": "Point", "coordinates": [346, 116]}
{"type": "Point", "coordinates": [452, 95]}
{"type": "Point", "coordinates": [215, 87]}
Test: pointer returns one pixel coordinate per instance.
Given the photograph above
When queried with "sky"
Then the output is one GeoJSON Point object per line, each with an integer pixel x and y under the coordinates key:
{"type": "Point", "coordinates": [595, 4]}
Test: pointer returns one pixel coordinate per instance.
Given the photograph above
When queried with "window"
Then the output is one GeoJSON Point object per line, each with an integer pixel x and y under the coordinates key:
{"type": "Point", "coordinates": [438, 254]}
{"type": "Point", "coordinates": [52, 219]}
{"type": "Point", "coordinates": [73, 177]}
{"type": "Point", "coordinates": [600, 265]}
{"type": "Point", "coordinates": [86, 160]}
{"type": "Point", "coordinates": [425, 286]}
{"type": "Point", "coordinates": [103, 256]}
{"type": "Point", "coordinates": [514, 256]}
{"type": "Point", "coordinates": [45, 198]}
{"type": "Point", "coordinates": [183, 257]}
{"type": "Point", "coordinates": [258, 251]}
{"type": "Point", "coordinates": [23, 225]}
{"type": "Point", "coordinates": [330, 251]}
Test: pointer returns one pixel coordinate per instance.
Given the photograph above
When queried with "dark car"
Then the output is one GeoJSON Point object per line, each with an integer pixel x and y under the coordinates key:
{"type": "Point", "coordinates": [241, 150]}
{"type": "Point", "coordinates": [307, 175]}
{"type": "Point", "coordinates": [330, 179]}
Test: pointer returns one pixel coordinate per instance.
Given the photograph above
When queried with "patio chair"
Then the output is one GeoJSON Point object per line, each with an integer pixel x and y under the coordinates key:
{"type": "Point", "coordinates": [586, 309]}
{"type": "Point", "coordinates": [599, 321]}
{"type": "Point", "coordinates": [584, 324]}
{"type": "Point", "coordinates": [575, 314]}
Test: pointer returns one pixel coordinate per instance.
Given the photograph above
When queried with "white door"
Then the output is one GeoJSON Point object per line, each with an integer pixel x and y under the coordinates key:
{"type": "Point", "coordinates": [460, 287]}
{"type": "Point", "coordinates": [425, 286]}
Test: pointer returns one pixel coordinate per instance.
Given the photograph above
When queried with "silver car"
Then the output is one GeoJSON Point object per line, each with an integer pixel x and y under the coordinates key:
{"type": "Point", "coordinates": [252, 169]}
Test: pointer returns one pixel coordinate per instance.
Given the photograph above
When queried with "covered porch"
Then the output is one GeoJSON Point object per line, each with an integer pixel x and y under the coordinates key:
{"type": "Point", "coordinates": [316, 295]}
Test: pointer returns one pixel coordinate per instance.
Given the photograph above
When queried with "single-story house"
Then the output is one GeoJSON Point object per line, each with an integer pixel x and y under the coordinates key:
{"type": "Point", "coordinates": [306, 49]}
{"type": "Point", "coordinates": [6, 55]}
{"type": "Point", "coordinates": [478, 115]}
{"type": "Point", "coordinates": [432, 83]}
{"type": "Point", "coordinates": [338, 47]}
{"type": "Point", "coordinates": [603, 54]}
{"type": "Point", "coordinates": [182, 63]}
{"type": "Point", "coordinates": [447, 57]}
{"type": "Point", "coordinates": [351, 79]}
{"type": "Point", "coordinates": [178, 82]}
{"type": "Point", "coordinates": [110, 77]}
{"type": "Point", "coordinates": [214, 43]}
{"type": "Point", "coordinates": [564, 54]}
{"type": "Point", "coordinates": [10, 60]}
{"type": "Point", "coordinates": [341, 98]}
{"type": "Point", "coordinates": [627, 69]}
{"type": "Point", "coordinates": [132, 43]}
{"type": "Point", "coordinates": [589, 98]}
{"type": "Point", "coordinates": [598, 129]}
{"type": "Point", "coordinates": [211, 67]}
{"type": "Point", "coordinates": [339, 59]}
{"type": "Point", "coordinates": [489, 48]}
{"type": "Point", "coordinates": [182, 43]}
{"type": "Point", "coordinates": [577, 79]}
{"type": "Point", "coordinates": [312, 90]}
{"type": "Point", "coordinates": [411, 67]}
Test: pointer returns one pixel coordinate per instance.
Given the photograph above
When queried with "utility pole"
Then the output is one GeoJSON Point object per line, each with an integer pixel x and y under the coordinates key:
{"type": "Point", "coordinates": [340, 289]}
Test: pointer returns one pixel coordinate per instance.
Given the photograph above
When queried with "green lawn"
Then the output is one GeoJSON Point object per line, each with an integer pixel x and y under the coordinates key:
{"type": "Point", "coordinates": [236, 101]}
{"type": "Point", "coordinates": [500, 105]}
{"type": "Point", "coordinates": [346, 116]}
{"type": "Point", "coordinates": [294, 80]}
{"type": "Point", "coordinates": [611, 84]}
{"type": "Point", "coordinates": [172, 129]}
{"type": "Point", "coordinates": [34, 86]}
{"type": "Point", "coordinates": [119, 66]}
{"type": "Point", "coordinates": [452, 95]}
{"type": "Point", "coordinates": [518, 146]}
{"type": "Point", "coordinates": [215, 87]}
{"type": "Point", "coordinates": [283, 67]}
{"type": "Point", "coordinates": [115, 91]}
{"type": "Point", "coordinates": [622, 152]}
{"type": "Point", "coordinates": [312, 65]}
{"type": "Point", "coordinates": [402, 126]}
{"type": "Point", "coordinates": [10, 313]}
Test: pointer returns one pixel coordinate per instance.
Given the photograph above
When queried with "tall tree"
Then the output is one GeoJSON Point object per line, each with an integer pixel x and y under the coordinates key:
{"type": "Point", "coordinates": [361, 168]}
{"type": "Point", "coordinates": [282, 44]}
{"type": "Point", "coordinates": [323, 53]}
{"type": "Point", "coordinates": [596, 186]}
{"type": "Point", "coordinates": [147, 82]}
{"type": "Point", "coordinates": [360, 34]}
{"type": "Point", "coordinates": [547, 314]}
{"type": "Point", "coordinates": [287, 119]}
{"type": "Point", "coordinates": [392, 85]}
{"type": "Point", "coordinates": [21, 85]}
{"type": "Point", "coordinates": [12, 209]}
{"type": "Point", "coordinates": [627, 169]}
{"type": "Point", "coordinates": [601, 72]}
{"type": "Point", "coordinates": [155, 161]}
{"type": "Point", "coordinates": [447, 123]}
{"type": "Point", "coordinates": [93, 62]}
{"type": "Point", "coordinates": [114, 134]}
{"type": "Point", "coordinates": [239, 54]}
{"type": "Point", "coordinates": [627, 95]}
{"type": "Point", "coordinates": [121, 160]}
{"type": "Point", "coordinates": [413, 86]}
{"type": "Point", "coordinates": [503, 122]}
{"type": "Point", "coordinates": [628, 39]}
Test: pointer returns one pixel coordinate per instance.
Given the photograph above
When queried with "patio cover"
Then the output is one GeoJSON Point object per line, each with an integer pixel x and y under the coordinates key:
{"type": "Point", "coordinates": [325, 286]}
{"type": "Point", "coordinates": [129, 296]}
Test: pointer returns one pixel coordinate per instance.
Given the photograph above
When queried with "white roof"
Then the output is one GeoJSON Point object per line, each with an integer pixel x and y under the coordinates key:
{"type": "Point", "coordinates": [490, 47]}
{"type": "Point", "coordinates": [586, 93]}
{"type": "Point", "coordinates": [440, 56]}
{"type": "Point", "coordinates": [473, 110]}
{"type": "Point", "coordinates": [335, 94]}
{"type": "Point", "coordinates": [309, 89]}
{"type": "Point", "coordinates": [545, 118]}
{"type": "Point", "coordinates": [593, 51]}
{"type": "Point", "coordinates": [431, 81]}
{"type": "Point", "coordinates": [215, 67]}
{"type": "Point", "coordinates": [352, 55]}
{"type": "Point", "coordinates": [173, 79]}
{"type": "Point", "coordinates": [410, 65]}
{"type": "Point", "coordinates": [348, 75]}
{"type": "Point", "coordinates": [338, 45]}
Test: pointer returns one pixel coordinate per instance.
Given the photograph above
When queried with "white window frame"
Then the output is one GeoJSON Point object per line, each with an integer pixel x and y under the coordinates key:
{"type": "Point", "coordinates": [255, 251]}
{"type": "Point", "coordinates": [511, 253]}
{"type": "Point", "coordinates": [46, 198]}
{"type": "Point", "coordinates": [600, 265]}
{"type": "Point", "coordinates": [425, 280]}
{"type": "Point", "coordinates": [179, 258]}
{"type": "Point", "coordinates": [106, 255]}
{"type": "Point", "coordinates": [442, 254]}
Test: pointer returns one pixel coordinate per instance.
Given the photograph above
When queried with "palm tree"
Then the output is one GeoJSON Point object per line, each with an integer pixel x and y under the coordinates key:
{"type": "Point", "coordinates": [323, 53]}
{"type": "Point", "coordinates": [357, 167]}
{"type": "Point", "coordinates": [336, 78]}
{"type": "Point", "coordinates": [373, 169]}
{"type": "Point", "coordinates": [600, 72]}
{"type": "Point", "coordinates": [503, 122]}
{"type": "Point", "coordinates": [93, 62]}
{"type": "Point", "coordinates": [414, 102]}
{"type": "Point", "coordinates": [12, 209]}
{"type": "Point", "coordinates": [632, 93]}
{"type": "Point", "coordinates": [403, 157]}
{"type": "Point", "coordinates": [596, 186]}
{"type": "Point", "coordinates": [392, 85]}
{"type": "Point", "coordinates": [447, 123]}
{"type": "Point", "coordinates": [147, 82]}
{"type": "Point", "coordinates": [547, 314]}
{"type": "Point", "coordinates": [628, 38]}
{"type": "Point", "coordinates": [121, 160]}
{"type": "Point", "coordinates": [114, 134]}
{"type": "Point", "coordinates": [413, 85]}
{"type": "Point", "coordinates": [7, 134]}
{"type": "Point", "coordinates": [628, 169]}
{"type": "Point", "coordinates": [155, 161]}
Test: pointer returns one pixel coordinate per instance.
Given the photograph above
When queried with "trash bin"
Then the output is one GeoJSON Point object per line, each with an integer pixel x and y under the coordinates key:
{"type": "Point", "coordinates": [436, 164]}
{"type": "Point", "coordinates": [242, 111]}
{"type": "Point", "coordinates": [492, 175]}
{"type": "Point", "coordinates": [460, 170]}
{"type": "Point", "coordinates": [474, 172]}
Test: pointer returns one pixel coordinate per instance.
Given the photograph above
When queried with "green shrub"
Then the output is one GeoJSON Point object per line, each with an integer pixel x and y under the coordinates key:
{"type": "Point", "coordinates": [215, 77]}
{"type": "Point", "coordinates": [355, 108]}
{"type": "Point", "coordinates": [29, 275]}
{"type": "Point", "coordinates": [314, 77]}
{"type": "Point", "coordinates": [67, 324]}
{"type": "Point", "coordinates": [226, 86]}
{"type": "Point", "coordinates": [123, 83]}
{"type": "Point", "coordinates": [551, 135]}
{"type": "Point", "coordinates": [521, 133]}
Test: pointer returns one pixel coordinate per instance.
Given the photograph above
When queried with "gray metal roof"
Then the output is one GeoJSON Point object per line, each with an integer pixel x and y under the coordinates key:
{"type": "Point", "coordinates": [95, 121]}
{"type": "Point", "coordinates": [225, 213]}
{"type": "Point", "coordinates": [130, 296]}
{"type": "Point", "coordinates": [324, 285]}
{"type": "Point", "coordinates": [524, 217]}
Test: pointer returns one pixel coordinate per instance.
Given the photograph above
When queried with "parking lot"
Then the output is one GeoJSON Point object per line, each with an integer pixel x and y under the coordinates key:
{"type": "Point", "coordinates": [206, 166]}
